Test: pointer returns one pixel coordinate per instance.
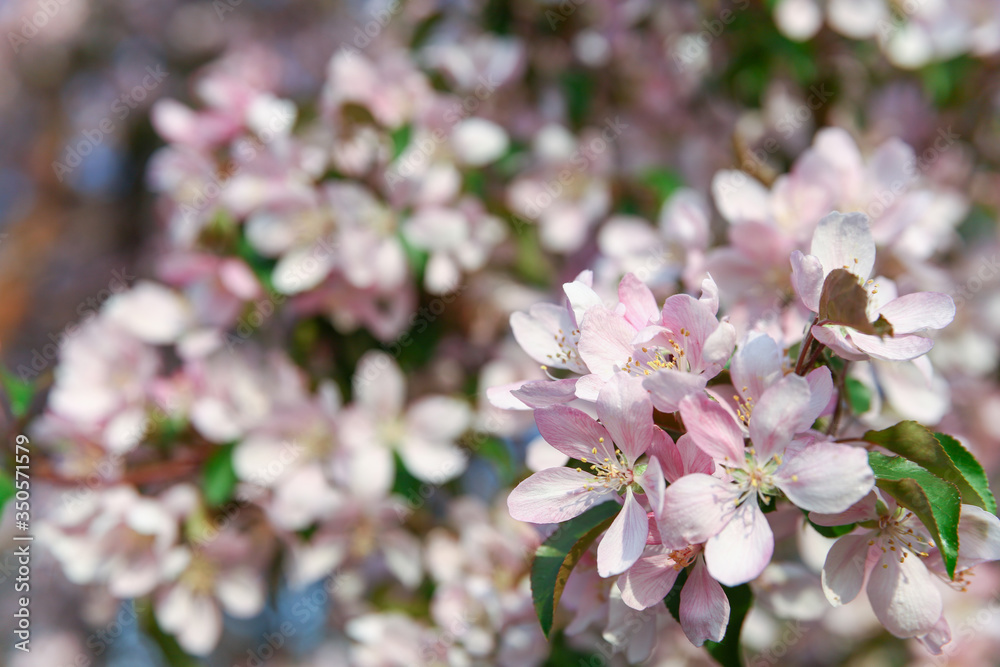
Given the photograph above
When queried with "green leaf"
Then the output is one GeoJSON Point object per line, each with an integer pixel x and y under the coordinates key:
{"type": "Point", "coordinates": [940, 454]}
{"type": "Point", "coordinates": [662, 181]}
{"type": "Point", "coordinates": [858, 396]}
{"type": "Point", "coordinates": [971, 470]}
{"type": "Point", "coordinates": [7, 489]}
{"type": "Point", "coordinates": [832, 531]}
{"type": "Point", "coordinates": [19, 392]}
{"type": "Point", "coordinates": [559, 554]}
{"type": "Point", "coordinates": [933, 500]}
{"type": "Point", "coordinates": [844, 301]}
{"type": "Point", "coordinates": [400, 140]}
{"type": "Point", "coordinates": [219, 477]}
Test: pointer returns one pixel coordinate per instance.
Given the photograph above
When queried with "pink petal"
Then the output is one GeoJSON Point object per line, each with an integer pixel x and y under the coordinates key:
{"type": "Point", "coordinates": [543, 393]}
{"type": "Point", "coordinates": [648, 581]}
{"type": "Point", "coordinates": [834, 338]}
{"type": "Point", "coordinates": [669, 386]}
{"type": "Point", "coordinates": [682, 311]}
{"type": "Point", "coordinates": [844, 241]}
{"type": "Point", "coordinates": [807, 480]}
{"type": "Point", "coordinates": [556, 494]}
{"type": "Point", "coordinates": [662, 446]}
{"type": "Point", "coordinates": [710, 294]}
{"type": "Point", "coordinates": [778, 415]}
{"type": "Point", "coordinates": [574, 433]}
{"type": "Point", "coordinates": [863, 510]}
{"type": "Point", "coordinates": [695, 508]}
{"type": "Point", "coordinates": [741, 551]}
{"type": "Point", "coordinates": [718, 348]}
{"type": "Point", "coordinates": [502, 396]}
{"type": "Point", "coordinates": [921, 310]}
{"type": "Point", "coordinates": [896, 348]}
{"type": "Point", "coordinates": [807, 279]}
{"type": "Point", "coordinates": [756, 365]}
{"type": "Point", "coordinates": [704, 609]}
{"type": "Point", "coordinates": [845, 567]}
{"type": "Point", "coordinates": [821, 394]}
{"type": "Point", "coordinates": [536, 333]}
{"type": "Point", "coordinates": [605, 341]}
{"type": "Point", "coordinates": [740, 198]}
{"type": "Point", "coordinates": [935, 640]}
{"type": "Point", "coordinates": [712, 429]}
{"type": "Point", "coordinates": [625, 540]}
{"type": "Point", "coordinates": [379, 385]}
{"type": "Point", "coordinates": [979, 535]}
{"type": "Point", "coordinates": [903, 595]}
{"type": "Point", "coordinates": [654, 485]}
{"type": "Point", "coordinates": [639, 302]}
{"type": "Point", "coordinates": [626, 411]}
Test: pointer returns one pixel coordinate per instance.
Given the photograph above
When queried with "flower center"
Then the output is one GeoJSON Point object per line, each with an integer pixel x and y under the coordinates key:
{"type": "Point", "coordinates": [755, 479]}
{"type": "Point", "coordinates": [611, 473]}
{"type": "Point", "coordinates": [684, 557]}
{"type": "Point", "coordinates": [670, 356]}
{"type": "Point", "coordinates": [744, 406]}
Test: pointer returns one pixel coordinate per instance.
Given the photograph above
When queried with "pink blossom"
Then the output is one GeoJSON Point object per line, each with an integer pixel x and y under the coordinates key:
{"type": "Point", "coordinates": [611, 449]}
{"type": "Point", "coordinates": [893, 552]}
{"type": "Point", "coordinates": [723, 511]}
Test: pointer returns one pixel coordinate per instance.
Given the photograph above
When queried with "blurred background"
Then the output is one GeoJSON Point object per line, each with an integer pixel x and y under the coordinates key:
{"type": "Point", "coordinates": [117, 115]}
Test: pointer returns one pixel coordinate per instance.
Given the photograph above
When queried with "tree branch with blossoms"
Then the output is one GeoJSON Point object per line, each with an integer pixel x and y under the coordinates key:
{"type": "Point", "coordinates": [685, 519]}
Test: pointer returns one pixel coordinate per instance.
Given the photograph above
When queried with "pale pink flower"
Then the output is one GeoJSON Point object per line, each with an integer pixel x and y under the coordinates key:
{"type": "Point", "coordinates": [224, 574]}
{"type": "Point", "coordinates": [676, 350]}
{"type": "Point", "coordinates": [611, 449]}
{"type": "Point", "coordinates": [895, 556]}
{"type": "Point", "coordinates": [704, 607]}
{"type": "Point", "coordinates": [723, 512]}
{"type": "Point", "coordinates": [116, 537]}
{"type": "Point", "coordinates": [103, 383]}
{"type": "Point", "coordinates": [845, 242]}
{"type": "Point", "coordinates": [425, 433]}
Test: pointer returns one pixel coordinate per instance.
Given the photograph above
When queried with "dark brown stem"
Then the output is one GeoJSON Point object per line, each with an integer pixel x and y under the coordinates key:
{"type": "Point", "coordinates": [809, 352]}
{"type": "Point", "coordinates": [841, 381]}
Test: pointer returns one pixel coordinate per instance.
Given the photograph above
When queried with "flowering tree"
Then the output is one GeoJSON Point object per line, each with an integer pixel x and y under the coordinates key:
{"type": "Point", "coordinates": [508, 334]}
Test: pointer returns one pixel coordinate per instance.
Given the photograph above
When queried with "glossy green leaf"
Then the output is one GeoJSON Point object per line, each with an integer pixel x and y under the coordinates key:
{"type": "Point", "coordinates": [934, 501]}
{"type": "Point", "coordinates": [940, 454]}
{"type": "Point", "coordinates": [559, 554]}
{"type": "Point", "coordinates": [971, 470]}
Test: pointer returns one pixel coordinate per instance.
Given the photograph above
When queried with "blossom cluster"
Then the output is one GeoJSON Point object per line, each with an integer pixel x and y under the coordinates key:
{"type": "Point", "coordinates": [697, 459]}
{"type": "Point", "coordinates": [516, 334]}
